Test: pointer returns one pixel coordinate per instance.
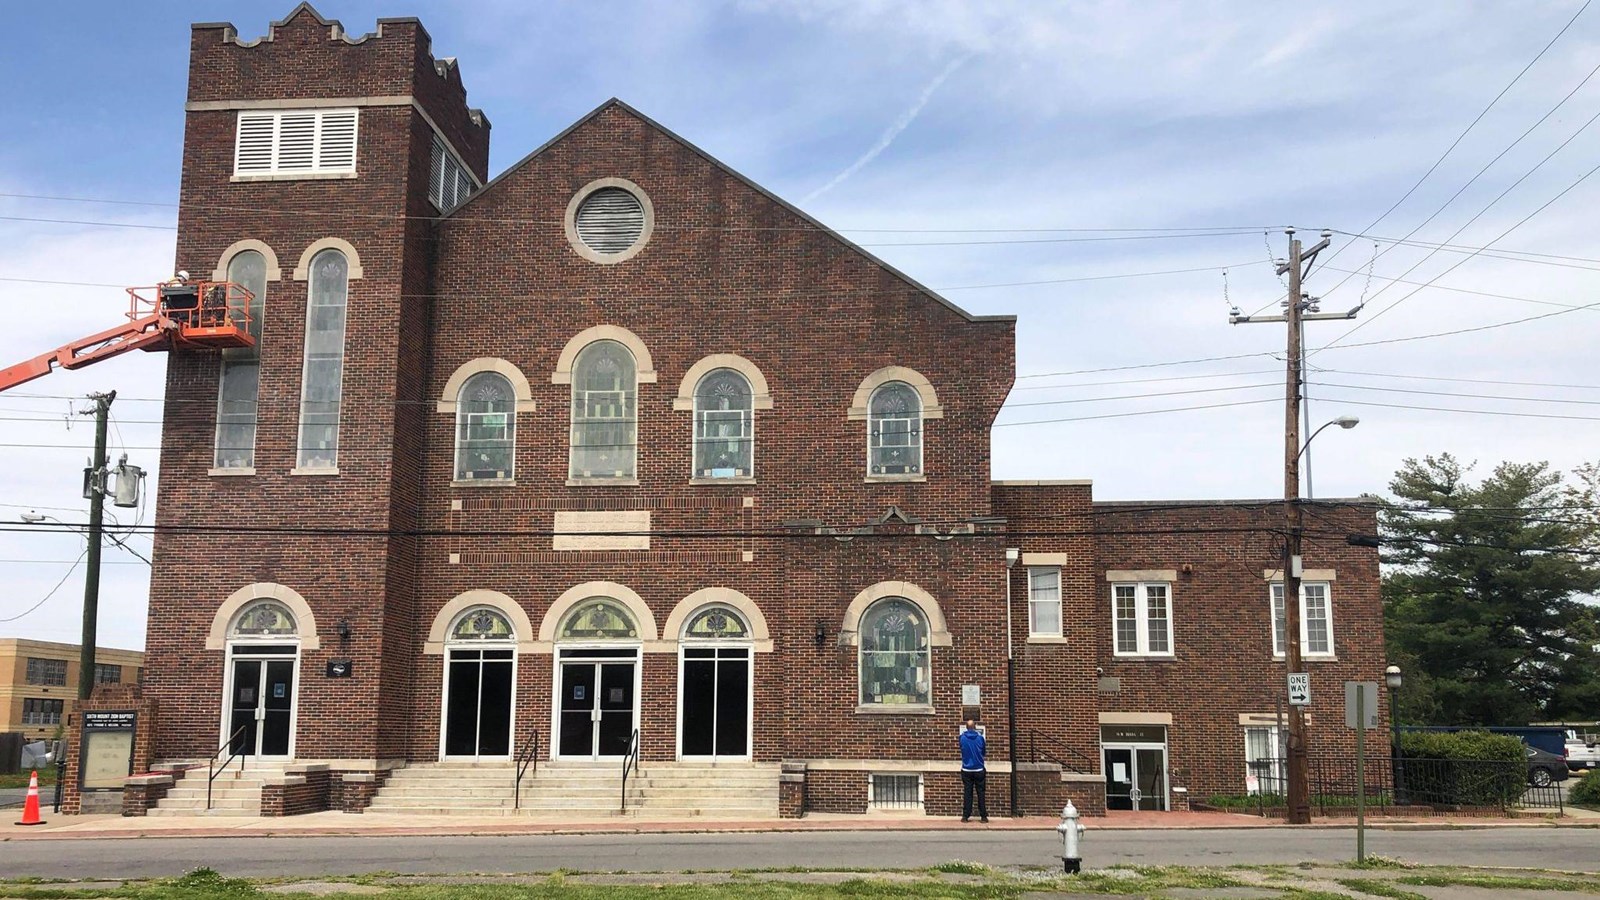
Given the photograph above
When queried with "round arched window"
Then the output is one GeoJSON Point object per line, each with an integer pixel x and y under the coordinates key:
{"type": "Point", "coordinates": [482, 624]}
{"type": "Point", "coordinates": [894, 434]}
{"type": "Point", "coordinates": [716, 623]}
{"type": "Point", "coordinates": [601, 618]}
{"type": "Point", "coordinates": [895, 662]}
{"type": "Point", "coordinates": [265, 618]}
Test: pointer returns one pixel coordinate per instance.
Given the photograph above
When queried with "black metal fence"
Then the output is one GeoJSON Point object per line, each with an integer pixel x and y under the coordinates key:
{"type": "Point", "coordinates": [1459, 785]}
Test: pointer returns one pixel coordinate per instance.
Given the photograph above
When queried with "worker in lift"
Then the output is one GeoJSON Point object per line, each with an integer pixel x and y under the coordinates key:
{"type": "Point", "coordinates": [180, 299]}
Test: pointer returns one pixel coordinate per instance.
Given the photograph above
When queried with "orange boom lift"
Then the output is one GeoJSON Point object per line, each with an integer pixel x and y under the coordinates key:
{"type": "Point", "coordinates": [179, 315]}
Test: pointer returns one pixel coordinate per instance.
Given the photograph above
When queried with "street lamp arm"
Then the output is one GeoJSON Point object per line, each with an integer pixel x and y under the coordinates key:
{"type": "Point", "coordinates": [1345, 422]}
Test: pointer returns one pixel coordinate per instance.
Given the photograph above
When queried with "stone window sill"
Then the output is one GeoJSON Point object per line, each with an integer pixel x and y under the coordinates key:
{"type": "Point", "coordinates": [741, 479]}
{"type": "Point", "coordinates": [894, 709]}
{"type": "Point", "coordinates": [602, 482]}
{"type": "Point", "coordinates": [294, 176]}
{"type": "Point", "coordinates": [1309, 657]}
{"type": "Point", "coordinates": [1151, 657]}
{"type": "Point", "coordinates": [324, 471]}
{"type": "Point", "coordinates": [483, 482]}
{"type": "Point", "coordinates": [1046, 639]}
{"type": "Point", "coordinates": [895, 479]}
{"type": "Point", "coordinates": [232, 471]}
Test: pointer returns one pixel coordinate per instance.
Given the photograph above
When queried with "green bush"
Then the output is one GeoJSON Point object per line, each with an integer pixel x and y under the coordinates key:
{"type": "Point", "coordinates": [1586, 790]}
{"type": "Point", "coordinates": [1463, 768]}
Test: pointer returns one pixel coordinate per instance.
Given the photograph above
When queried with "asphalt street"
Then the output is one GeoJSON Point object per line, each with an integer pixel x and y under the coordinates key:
{"type": "Point", "coordinates": [1557, 848]}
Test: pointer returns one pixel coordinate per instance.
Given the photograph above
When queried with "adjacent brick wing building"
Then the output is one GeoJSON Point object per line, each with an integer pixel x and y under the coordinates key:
{"type": "Point", "coordinates": [619, 453]}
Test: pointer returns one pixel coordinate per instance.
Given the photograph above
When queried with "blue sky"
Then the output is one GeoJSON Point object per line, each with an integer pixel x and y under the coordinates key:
{"type": "Point", "coordinates": [936, 121]}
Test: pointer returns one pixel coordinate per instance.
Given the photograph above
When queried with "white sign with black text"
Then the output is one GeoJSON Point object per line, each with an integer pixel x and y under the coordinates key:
{"type": "Point", "coordinates": [1299, 688]}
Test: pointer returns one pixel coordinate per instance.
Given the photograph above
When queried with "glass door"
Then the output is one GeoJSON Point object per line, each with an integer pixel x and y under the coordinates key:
{"type": "Point", "coordinates": [1119, 778]}
{"type": "Point", "coordinates": [1150, 777]}
{"type": "Point", "coordinates": [261, 706]}
{"type": "Point", "coordinates": [478, 704]}
{"type": "Point", "coordinates": [245, 702]}
{"type": "Point", "coordinates": [716, 702]}
{"type": "Point", "coordinates": [614, 708]}
{"type": "Point", "coordinates": [578, 712]}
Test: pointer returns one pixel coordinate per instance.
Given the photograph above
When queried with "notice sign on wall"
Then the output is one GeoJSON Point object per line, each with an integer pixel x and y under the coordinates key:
{"type": "Point", "coordinates": [107, 749]}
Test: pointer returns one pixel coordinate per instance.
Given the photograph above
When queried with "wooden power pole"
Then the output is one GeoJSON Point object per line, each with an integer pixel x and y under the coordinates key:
{"type": "Point", "coordinates": [1298, 309]}
{"type": "Point", "coordinates": [95, 487]}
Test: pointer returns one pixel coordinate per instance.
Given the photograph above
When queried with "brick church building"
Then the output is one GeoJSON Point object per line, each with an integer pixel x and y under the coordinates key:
{"type": "Point", "coordinates": [617, 454]}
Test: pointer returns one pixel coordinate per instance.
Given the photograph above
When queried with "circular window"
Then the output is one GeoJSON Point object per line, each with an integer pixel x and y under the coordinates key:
{"type": "Point", "coordinates": [609, 220]}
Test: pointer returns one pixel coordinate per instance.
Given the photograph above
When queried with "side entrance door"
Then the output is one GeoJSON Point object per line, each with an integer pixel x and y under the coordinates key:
{"type": "Point", "coordinates": [261, 705]}
{"type": "Point", "coordinates": [715, 719]}
{"type": "Point", "coordinates": [1136, 776]}
{"type": "Point", "coordinates": [597, 708]}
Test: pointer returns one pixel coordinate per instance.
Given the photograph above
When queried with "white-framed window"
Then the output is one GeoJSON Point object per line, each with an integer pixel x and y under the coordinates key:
{"type": "Point", "coordinates": [605, 412]}
{"type": "Point", "coordinates": [1141, 619]}
{"type": "Point", "coordinates": [895, 662]}
{"type": "Point", "coordinates": [724, 426]}
{"type": "Point", "coordinates": [894, 790]}
{"type": "Point", "coordinates": [486, 429]}
{"type": "Point", "coordinates": [322, 384]}
{"type": "Point", "coordinates": [449, 182]}
{"type": "Point", "coordinates": [38, 711]}
{"type": "Point", "coordinates": [1263, 760]}
{"type": "Point", "coordinates": [894, 430]}
{"type": "Point", "coordinates": [239, 393]}
{"type": "Point", "coordinates": [1044, 601]}
{"type": "Point", "coordinates": [1316, 618]}
{"type": "Point", "coordinates": [295, 142]}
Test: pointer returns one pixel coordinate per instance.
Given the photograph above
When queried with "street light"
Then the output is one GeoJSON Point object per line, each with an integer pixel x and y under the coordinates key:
{"type": "Point", "coordinates": [1345, 422]}
{"type": "Point", "coordinates": [1392, 679]}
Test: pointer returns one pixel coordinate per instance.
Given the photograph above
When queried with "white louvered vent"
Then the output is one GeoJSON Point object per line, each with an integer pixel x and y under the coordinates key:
{"type": "Point", "coordinates": [295, 142]}
{"type": "Point", "coordinates": [449, 185]}
{"type": "Point", "coordinates": [610, 221]}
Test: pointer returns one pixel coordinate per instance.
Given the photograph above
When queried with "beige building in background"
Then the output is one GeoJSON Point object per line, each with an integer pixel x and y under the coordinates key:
{"type": "Point", "coordinates": [39, 682]}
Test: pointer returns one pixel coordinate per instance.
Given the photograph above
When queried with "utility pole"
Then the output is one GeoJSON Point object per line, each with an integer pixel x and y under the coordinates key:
{"type": "Point", "coordinates": [1298, 309]}
{"type": "Point", "coordinates": [95, 488]}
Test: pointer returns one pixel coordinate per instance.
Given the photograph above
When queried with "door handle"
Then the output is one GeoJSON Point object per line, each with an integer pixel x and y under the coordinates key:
{"type": "Point", "coordinates": [594, 714]}
{"type": "Point", "coordinates": [261, 713]}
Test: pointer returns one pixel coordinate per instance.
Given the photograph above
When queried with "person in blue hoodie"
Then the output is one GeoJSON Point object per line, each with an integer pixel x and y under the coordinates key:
{"type": "Point", "coordinates": [973, 772]}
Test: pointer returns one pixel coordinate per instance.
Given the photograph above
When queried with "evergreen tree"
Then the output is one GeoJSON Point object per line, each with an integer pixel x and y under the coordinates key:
{"type": "Point", "coordinates": [1486, 594]}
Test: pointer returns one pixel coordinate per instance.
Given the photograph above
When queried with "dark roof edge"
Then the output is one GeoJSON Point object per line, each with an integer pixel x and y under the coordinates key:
{"type": "Point", "coordinates": [749, 183]}
{"type": "Point", "coordinates": [1274, 501]}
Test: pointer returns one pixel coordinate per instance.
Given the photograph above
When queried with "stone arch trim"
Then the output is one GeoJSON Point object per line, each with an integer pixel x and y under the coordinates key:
{"type": "Point", "coordinates": [761, 396]}
{"type": "Point", "coordinates": [303, 270]}
{"type": "Point", "coordinates": [439, 631]}
{"type": "Point", "coordinates": [450, 396]}
{"type": "Point", "coordinates": [860, 403]}
{"type": "Point", "coordinates": [305, 622]}
{"type": "Point", "coordinates": [575, 595]}
{"type": "Point", "coordinates": [850, 630]}
{"type": "Point", "coordinates": [274, 271]}
{"type": "Point", "coordinates": [688, 606]}
{"type": "Point", "coordinates": [643, 364]}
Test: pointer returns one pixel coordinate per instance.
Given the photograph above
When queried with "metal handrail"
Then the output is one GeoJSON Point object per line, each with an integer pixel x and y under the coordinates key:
{"type": "Point", "coordinates": [1033, 751]}
{"type": "Point", "coordinates": [630, 761]}
{"type": "Point", "coordinates": [528, 755]}
{"type": "Point", "coordinates": [212, 771]}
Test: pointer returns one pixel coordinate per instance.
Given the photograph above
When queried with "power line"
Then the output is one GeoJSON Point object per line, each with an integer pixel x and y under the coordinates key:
{"type": "Point", "coordinates": [1390, 390]}
{"type": "Point", "coordinates": [1478, 412]}
{"type": "Point", "coordinates": [1142, 412]}
{"type": "Point", "coordinates": [53, 590]}
{"type": "Point", "coordinates": [1437, 334]}
{"type": "Point", "coordinates": [1546, 384]}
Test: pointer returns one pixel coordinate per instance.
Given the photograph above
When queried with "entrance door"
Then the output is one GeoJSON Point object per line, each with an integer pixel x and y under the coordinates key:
{"type": "Point", "coordinates": [715, 718]}
{"type": "Point", "coordinates": [1136, 776]}
{"type": "Point", "coordinates": [478, 703]}
{"type": "Point", "coordinates": [597, 708]}
{"type": "Point", "coordinates": [261, 717]}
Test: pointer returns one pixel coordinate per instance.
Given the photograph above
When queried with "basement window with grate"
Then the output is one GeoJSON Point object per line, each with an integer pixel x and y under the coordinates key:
{"type": "Point", "coordinates": [295, 142]}
{"type": "Point", "coordinates": [893, 790]}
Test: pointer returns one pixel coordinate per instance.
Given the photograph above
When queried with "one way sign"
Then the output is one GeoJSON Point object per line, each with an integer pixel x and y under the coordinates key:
{"type": "Point", "coordinates": [1299, 689]}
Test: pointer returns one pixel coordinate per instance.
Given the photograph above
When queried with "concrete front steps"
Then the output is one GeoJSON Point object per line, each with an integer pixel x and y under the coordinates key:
{"type": "Point", "coordinates": [234, 793]}
{"type": "Point", "coordinates": [578, 791]}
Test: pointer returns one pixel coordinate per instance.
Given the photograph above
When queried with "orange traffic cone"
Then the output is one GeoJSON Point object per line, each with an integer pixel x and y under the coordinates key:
{"type": "Point", "coordinates": [30, 809]}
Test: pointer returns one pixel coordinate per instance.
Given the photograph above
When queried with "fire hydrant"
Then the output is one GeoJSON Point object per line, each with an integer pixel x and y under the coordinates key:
{"type": "Point", "coordinates": [1071, 832]}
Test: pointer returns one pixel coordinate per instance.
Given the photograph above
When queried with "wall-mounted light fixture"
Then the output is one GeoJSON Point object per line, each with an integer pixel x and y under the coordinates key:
{"type": "Point", "coordinates": [821, 635]}
{"type": "Point", "coordinates": [344, 631]}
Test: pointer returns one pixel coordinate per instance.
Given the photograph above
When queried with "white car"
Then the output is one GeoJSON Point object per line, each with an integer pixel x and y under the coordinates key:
{"type": "Point", "coordinates": [1582, 751]}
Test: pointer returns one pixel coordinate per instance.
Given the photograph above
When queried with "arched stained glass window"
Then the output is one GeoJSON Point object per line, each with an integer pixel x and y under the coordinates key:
{"type": "Point", "coordinates": [895, 662]}
{"type": "Point", "coordinates": [604, 412]}
{"type": "Point", "coordinates": [482, 624]}
{"type": "Point", "coordinates": [716, 622]}
{"type": "Point", "coordinates": [240, 392]}
{"type": "Point", "coordinates": [601, 618]}
{"type": "Point", "coordinates": [894, 431]}
{"type": "Point", "coordinates": [265, 618]}
{"type": "Point", "coordinates": [486, 428]}
{"type": "Point", "coordinates": [724, 426]}
{"type": "Point", "coordinates": [322, 384]}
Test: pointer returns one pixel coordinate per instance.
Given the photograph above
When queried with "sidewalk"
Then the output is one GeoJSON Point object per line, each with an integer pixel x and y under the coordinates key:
{"type": "Point", "coordinates": [374, 825]}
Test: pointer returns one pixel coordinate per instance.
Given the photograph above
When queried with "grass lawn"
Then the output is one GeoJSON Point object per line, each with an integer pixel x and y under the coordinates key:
{"type": "Point", "coordinates": [20, 779]}
{"type": "Point", "coordinates": [955, 880]}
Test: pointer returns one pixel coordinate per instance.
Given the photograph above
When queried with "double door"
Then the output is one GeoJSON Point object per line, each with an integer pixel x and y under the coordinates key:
{"type": "Point", "coordinates": [598, 708]}
{"type": "Point", "coordinates": [715, 692]}
{"type": "Point", "coordinates": [1136, 776]}
{"type": "Point", "coordinates": [261, 704]}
